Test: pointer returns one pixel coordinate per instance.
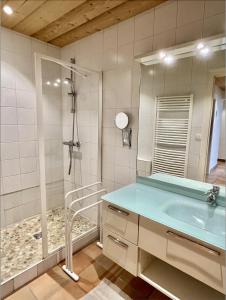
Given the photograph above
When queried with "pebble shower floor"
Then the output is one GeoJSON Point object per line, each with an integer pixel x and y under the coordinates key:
{"type": "Point", "coordinates": [20, 249]}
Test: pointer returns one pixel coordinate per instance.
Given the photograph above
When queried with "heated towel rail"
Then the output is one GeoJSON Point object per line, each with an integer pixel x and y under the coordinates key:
{"type": "Point", "coordinates": [70, 215]}
{"type": "Point", "coordinates": [172, 134]}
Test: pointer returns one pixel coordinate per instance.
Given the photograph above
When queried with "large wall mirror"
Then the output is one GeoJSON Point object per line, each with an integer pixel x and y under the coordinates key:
{"type": "Point", "coordinates": [182, 115]}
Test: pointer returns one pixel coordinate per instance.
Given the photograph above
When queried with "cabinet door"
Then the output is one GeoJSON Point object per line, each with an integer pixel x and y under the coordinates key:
{"type": "Point", "coordinates": [121, 222]}
{"type": "Point", "coordinates": [120, 251]}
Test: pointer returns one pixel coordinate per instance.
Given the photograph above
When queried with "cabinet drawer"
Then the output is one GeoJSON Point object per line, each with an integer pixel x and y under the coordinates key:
{"type": "Point", "coordinates": [120, 251]}
{"type": "Point", "coordinates": [152, 238]}
{"type": "Point", "coordinates": [199, 261]}
{"type": "Point", "coordinates": [186, 254]}
{"type": "Point", "coordinates": [121, 222]}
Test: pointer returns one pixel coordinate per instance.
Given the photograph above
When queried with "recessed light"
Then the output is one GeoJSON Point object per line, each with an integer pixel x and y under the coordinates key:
{"type": "Point", "coordinates": [66, 82]}
{"type": "Point", "coordinates": [204, 51]}
{"type": "Point", "coordinates": [200, 46]}
{"type": "Point", "coordinates": [169, 59]}
{"type": "Point", "coordinates": [7, 9]}
{"type": "Point", "coordinates": [56, 84]}
{"type": "Point", "coordinates": [162, 54]}
{"type": "Point", "coordinates": [58, 80]}
{"type": "Point", "coordinates": [48, 83]}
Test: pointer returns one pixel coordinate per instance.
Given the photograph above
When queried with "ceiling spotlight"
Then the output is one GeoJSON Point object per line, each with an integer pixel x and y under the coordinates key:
{"type": "Point", "coordinates": [56, 84]}
{"type": "Point", "coordinates": [151, 72]}
{"type": "Point", "coordinates": [48, 83]}
{"type": "Point", "coordinates": [58, 80]}
{"type": "Point", "coordinates": [7, 9]}
{"type": "Point", "coordinates": [66, 81]}
{"type": "Point", "coordinates": [200, 46]}
{"type": "Point", "coordinates": [162, 54]}
{"type": "Point", "coordinates": [168, 59]}
{"type": "Point", "coordinates": [204, 51]}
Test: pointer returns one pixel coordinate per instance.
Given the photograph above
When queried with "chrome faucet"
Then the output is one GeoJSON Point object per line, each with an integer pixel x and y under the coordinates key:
{"type": "Point", "coordinates": [212, 196]}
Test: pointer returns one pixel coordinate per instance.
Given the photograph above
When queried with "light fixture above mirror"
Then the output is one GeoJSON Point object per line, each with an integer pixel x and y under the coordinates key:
{"type": "Point", "coordinates": [202, 48]}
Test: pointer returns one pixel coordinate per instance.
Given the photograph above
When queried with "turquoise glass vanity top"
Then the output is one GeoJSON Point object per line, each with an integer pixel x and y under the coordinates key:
{"type": "Point", "coordinates": [182, 213]}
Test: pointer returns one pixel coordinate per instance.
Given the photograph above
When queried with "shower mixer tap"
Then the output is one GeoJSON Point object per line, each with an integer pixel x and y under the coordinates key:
{"type": "Point", "coordinates": [71, 143]}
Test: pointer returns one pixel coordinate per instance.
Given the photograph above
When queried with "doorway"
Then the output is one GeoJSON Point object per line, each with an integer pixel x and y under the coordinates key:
{"type": "Point", "coordinates": [216, 172]}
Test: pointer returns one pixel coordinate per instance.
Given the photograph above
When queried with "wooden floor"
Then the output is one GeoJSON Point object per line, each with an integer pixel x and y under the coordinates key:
{"type": "Point", "coordinates": [218, 174]}
{"type": "Point", "coordinates": [92, 266]}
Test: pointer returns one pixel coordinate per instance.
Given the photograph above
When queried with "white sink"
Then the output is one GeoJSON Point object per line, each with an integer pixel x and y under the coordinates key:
{"type": "Point", "coordinates": [201, 215]}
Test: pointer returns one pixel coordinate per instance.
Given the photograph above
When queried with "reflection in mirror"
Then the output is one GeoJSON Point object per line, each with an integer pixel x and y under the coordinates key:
{"type": "Point", "coordinates": [182, 108]}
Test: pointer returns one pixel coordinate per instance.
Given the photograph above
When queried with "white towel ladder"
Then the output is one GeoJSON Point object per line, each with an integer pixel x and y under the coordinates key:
{"type": "Point", "coordinates": [70, 215]}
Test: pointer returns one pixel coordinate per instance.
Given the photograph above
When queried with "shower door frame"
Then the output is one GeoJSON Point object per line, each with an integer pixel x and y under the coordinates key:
{"type": "Point", "coordinates": [41, 136]}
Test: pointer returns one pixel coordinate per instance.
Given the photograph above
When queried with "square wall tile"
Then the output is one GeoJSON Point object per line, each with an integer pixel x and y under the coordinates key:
{"type": "Point", "coordinates": [29, 180]}
{"type": "Point", "coordinates": [189, 32]}
{"type": "Point", "coordinates": [8, 116]}
{"type": "Point", "coordinates": [214, 25]}
{"type": "Point", "coordinates": [126, 32]}
{"type": "Point", "coordinates": [10, 167]}
{"type": "Point", "coordinates": [189, 11]}
{"type": "Point", "coordinates": [25, 277]}
{"type": "Point", "coordinates": [25, 116]}
{"type": "Point", "coordinates": [25, 99]}
{"type": "Point", "coordinates": [28, 149]}
{"type": "Point", "coordinates": [125, 55]}
{"type": "Point", "coordinates": [144, 25]}
{"type": "Point", "coordinates": [28, 165]}
{"type": "Point", "coordinates": [11, 184]}
{"type": "Point", "coordinates": [9, 151]}
{"type": "Point", "coordinates": [6, 289]}
{"type": "Point", "coordinates": [164, 40]}
{"type": "Point", "coordinates": [214, 7]}
{"type": "Point", "coordinates": [110, 37]}
{"type": "Point", "coordinates": [27, 132]}
{"type": "Point", "coordinates": [165, 17]}
{"type": "Point", "coordinates": [143, 46]}
{"type": "Point", "coordinates": [8, 97]}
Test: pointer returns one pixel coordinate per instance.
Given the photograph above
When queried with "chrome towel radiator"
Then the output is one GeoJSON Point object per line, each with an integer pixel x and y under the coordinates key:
{"type": "Point", "coordinates": [70, 215]}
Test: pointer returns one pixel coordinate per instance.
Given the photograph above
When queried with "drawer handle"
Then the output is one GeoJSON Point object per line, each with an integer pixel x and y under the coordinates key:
{"type": "Point", "coordinates": [117, 241]}
{"type": "Point", "coordinates": [198, 245]}
{"type": "Point", "coordinates": [122, 212]}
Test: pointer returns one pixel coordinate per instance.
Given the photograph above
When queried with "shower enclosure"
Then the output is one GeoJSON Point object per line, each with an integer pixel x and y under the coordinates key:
{"type": "Point", "coordinates": [69, 116]}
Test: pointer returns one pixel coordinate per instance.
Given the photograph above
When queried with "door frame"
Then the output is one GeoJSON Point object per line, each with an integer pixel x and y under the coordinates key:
{"type": "Point", "coordinates": [204, 149]}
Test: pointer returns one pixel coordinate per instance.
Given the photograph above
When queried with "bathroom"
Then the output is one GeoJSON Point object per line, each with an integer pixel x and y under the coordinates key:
{"type": "Point", "coordinates": [86, 87]}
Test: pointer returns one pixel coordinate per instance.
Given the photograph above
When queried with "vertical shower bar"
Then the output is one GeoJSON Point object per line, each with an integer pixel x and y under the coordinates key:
{"type": "Point", "coordinates": [41, 144]}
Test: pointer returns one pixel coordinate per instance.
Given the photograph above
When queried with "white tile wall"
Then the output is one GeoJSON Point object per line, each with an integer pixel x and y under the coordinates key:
{"type": "Point", "coordinates": [19, 151]}
{"type": "Point", "coordinates": [169, 24]}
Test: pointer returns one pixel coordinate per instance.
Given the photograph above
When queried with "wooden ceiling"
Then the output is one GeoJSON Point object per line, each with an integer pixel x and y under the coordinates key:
{"type": "Point", "coordinates": [61, 22]}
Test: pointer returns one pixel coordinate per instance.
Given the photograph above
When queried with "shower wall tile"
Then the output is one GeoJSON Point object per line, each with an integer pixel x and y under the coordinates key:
{"type": "Point", "coordinates": [19, 151]}
{"type": "Point", "coordinates": [9, 151]}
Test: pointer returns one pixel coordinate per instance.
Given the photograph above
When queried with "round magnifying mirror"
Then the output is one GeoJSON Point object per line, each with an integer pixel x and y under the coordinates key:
{"type": "Point", "coordinates": [121, 120]}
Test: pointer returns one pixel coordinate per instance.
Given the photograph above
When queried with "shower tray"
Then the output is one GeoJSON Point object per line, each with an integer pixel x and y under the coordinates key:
{"type": "Point", "coordinates": [20, 249]}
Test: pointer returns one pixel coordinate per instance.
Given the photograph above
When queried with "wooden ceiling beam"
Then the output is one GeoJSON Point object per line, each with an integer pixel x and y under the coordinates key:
{"type": "Point", "coordinates": [78, 16]}
{"type": "Point", "coordinates": [21, 9]}
{"type": "Point", "coordinates": [116, 15]}
{"type": "Point", "coordinates": [47, 13]}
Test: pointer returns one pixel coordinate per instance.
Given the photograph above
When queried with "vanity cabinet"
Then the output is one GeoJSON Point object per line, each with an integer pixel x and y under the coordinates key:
{"type": "Point", "coordinates": [120, 221]}
{"type": "Point", "coordinates": [120, 236]}
{"type": "Point", "coordinates": [198, 260]}
{"type": "Point", "coordinates": [121, 251]}
{"type": "Point", "coordinates": [177, 265]}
